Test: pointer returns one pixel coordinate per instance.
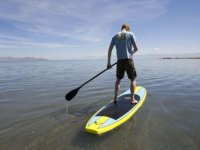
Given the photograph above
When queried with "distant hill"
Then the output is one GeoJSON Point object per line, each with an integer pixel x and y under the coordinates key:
{"type": "Point", "coordinates": [21, 59]}
{"type": "Point", "coordinates": [181, 58]}
{"type": "Point", "coordinates": [170, 56]}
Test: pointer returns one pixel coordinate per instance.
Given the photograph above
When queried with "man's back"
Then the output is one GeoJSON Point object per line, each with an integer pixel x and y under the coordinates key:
{"type": "Point", "coordinates": [123, 42]}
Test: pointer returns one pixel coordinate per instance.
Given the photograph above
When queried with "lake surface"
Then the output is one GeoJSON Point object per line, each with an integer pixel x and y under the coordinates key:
{"type": "Point", "coordinates": [35, 115]}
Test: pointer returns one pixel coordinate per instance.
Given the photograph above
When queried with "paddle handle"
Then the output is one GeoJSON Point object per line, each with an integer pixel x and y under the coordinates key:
{"type": "Point", "coordinates": [97, 75]}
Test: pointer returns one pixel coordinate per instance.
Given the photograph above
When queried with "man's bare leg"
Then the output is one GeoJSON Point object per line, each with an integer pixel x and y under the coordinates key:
{"type": "Point", "coordinates": [132, 88]}
{"type": "Point", "coordinates": [117, 87]}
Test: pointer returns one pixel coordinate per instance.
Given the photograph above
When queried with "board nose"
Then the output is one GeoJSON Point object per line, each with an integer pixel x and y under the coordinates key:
{"type": "Point", "coordinates": [101, 120]}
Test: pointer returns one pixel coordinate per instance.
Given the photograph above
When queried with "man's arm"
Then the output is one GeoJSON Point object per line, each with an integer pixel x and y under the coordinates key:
{"type": "Point", "coordinates": [134, 43]}
{"type": "Point", "coordinates": [135, 47]}
{"type": "Point", "coordinates": [109, 56]}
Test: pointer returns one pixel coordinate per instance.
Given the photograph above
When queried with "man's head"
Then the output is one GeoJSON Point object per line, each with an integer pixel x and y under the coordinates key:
{"type": "Point", "coordinates": [126, 27]}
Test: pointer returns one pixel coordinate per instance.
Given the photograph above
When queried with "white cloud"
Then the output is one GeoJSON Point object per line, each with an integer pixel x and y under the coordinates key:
{"type": "Point", "coordinates": [8, 42]}
{"type": "Point", "coordinates": [157, 49]}
{"type": "Point", "coordinates": [77, 20]}
{"type": "Point", "coordinates": [69, 25]}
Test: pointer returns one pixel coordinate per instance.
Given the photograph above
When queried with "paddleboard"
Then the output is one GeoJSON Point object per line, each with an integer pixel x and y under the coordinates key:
{"type": "Point", "coordinates": [113, 115]}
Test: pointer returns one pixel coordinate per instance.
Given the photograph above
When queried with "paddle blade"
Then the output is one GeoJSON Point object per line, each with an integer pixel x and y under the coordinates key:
{"type": "Point", "coordinates": [71, 94]}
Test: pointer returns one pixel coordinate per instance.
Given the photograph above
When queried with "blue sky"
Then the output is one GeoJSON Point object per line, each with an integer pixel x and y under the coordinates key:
{"type": "Point", "coordinates": [66, 29]}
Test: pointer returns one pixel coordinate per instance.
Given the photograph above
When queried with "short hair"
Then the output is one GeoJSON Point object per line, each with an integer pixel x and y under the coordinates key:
{"type": "Point", "coordinates": [125, 26]}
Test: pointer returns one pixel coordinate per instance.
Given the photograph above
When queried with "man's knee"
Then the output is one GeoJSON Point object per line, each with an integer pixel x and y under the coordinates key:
{"type": "Point", "coordinates": [118, 80]}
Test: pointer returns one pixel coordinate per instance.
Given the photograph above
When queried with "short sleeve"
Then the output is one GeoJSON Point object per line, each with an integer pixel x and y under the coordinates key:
{"type": "Point", "coordinates": [133, 38]}
{"type": "Point", "coordinates": [112, 43]}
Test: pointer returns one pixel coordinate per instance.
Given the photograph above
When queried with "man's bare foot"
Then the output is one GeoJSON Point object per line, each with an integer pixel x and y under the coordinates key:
{"type": "Point", "coordinates": [115, 101]}
{"type": "Point", "coordinates": [134, 102]}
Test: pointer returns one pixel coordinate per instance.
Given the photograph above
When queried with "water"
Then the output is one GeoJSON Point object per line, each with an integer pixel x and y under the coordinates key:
{"type": "Point", "coordinates": [35, 115]}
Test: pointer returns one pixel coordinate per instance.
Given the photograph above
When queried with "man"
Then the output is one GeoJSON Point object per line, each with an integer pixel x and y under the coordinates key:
{"type": "Point", "coordinates": [124, 41]}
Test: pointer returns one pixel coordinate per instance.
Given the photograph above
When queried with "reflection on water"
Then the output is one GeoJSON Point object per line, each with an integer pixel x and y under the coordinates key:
{"type": "Point", "coordinates": [35, 115]}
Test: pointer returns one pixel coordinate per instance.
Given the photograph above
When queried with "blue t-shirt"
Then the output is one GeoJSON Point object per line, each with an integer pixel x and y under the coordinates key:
{"type": "Point", "coordinates": [123, 41]}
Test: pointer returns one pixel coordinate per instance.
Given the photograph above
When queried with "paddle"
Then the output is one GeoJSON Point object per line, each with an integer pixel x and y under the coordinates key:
{"type": "Point", "coordinates": [73, 93]}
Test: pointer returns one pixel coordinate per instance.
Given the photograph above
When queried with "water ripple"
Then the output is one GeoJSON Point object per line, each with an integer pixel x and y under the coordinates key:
{"type": "Point", "coordinates": [33, 105]}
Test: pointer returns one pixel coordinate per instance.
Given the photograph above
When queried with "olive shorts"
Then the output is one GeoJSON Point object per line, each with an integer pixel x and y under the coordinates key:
{"type": "Point", "coordinates": [128, 66]}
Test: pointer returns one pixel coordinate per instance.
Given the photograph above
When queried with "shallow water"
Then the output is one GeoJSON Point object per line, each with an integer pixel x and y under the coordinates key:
{"type": "Point", "coordinates": [35, 115]}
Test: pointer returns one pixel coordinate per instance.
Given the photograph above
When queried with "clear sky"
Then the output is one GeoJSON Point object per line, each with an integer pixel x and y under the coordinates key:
{"type": "Point", "coordinates": [62, 29]}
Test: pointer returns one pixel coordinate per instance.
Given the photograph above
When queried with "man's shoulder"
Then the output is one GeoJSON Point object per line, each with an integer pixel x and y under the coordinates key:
{"type": "Point", "coordinates": [116, 35]}
{"type": "Point", "coordinates": [130, 33]}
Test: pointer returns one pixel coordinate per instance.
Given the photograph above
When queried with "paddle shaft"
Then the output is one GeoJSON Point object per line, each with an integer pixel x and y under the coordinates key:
{"type": "Point", "coordinates": [96, 76]}
{"type": "Point", "coordinates": [73, 93]}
